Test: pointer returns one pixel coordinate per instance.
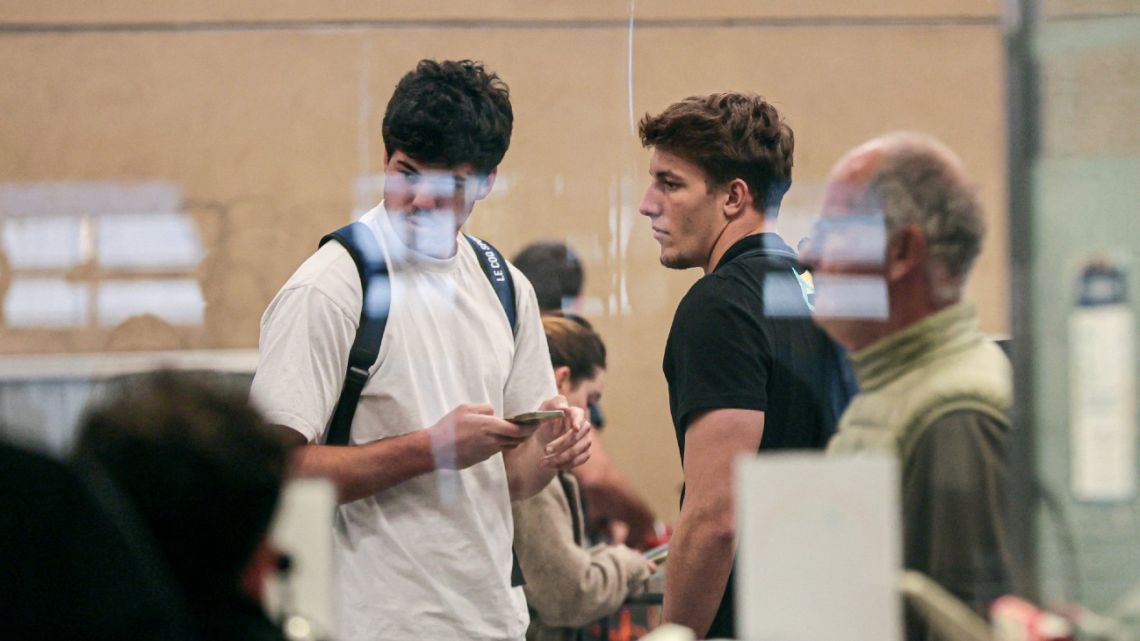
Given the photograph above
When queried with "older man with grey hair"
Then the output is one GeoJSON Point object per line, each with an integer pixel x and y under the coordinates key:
{"type": "Point", "coordinates": [899, 233]}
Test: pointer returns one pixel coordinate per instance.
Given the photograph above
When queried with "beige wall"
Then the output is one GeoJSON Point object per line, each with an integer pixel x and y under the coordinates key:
{"type": "Point", "coordinates": [265, 118]}
{"type": "Point", "coordinates": [80, 12]}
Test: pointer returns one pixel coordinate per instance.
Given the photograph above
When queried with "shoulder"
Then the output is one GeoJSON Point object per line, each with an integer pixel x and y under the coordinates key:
{"type": "Point", "coordinates": [472, 260]}
{"type": "Point", "coordinates": [714, 305]}
{"type": "Point", "coordinates": [710, 295]}
{"type": "Point", "coordinates": [960, 444]}
{"type": "Point", "coordinates": [523, 286]}
{"type": "Point", "coordinates": [329, 276]}
{"type": "Point", "coordinates": [516, 274]}
{"type": "Point", "coordinates": [964, 429]}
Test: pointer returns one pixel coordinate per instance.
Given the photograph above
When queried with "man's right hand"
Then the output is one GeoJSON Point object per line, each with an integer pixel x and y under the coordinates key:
{"type": "Point", "coordinates": [470, 434]}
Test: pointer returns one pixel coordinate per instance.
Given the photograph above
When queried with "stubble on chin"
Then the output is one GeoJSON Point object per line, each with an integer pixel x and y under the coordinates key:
{"type": "Point", "coordinates": [674, 262]}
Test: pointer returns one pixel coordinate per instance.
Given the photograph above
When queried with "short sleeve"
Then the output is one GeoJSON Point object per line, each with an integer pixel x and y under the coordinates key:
{"type": "Point", "coordinates": [303, 355]}
{"type": "Point", "coordinates": [717, 356]}
{"type": "Point", "coordinates": [954, 508]}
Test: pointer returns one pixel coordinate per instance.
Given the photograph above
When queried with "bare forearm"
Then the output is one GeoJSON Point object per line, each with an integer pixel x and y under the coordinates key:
{"type": "Point", "coordinates": [363, 470]}
{"type": "Point", "coordinates": [700, 560]}
{"type": "Point", "coordinates": [700, 555]}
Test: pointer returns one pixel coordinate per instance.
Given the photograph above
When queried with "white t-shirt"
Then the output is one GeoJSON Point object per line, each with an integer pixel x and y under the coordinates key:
{"type": "Point", "coordinates": [431, 557]}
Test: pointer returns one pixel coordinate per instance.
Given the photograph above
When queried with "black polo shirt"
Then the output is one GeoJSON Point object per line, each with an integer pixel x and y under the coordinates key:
{"type": "Point", "coordinates": [743, 338]}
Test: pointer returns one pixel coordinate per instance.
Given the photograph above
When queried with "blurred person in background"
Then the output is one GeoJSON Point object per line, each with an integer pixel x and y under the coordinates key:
{"type": "Point", "coordinates": [747, 370]}
{"type": "Point", "coordinates": [423, 532]}
{"type": "Point", "coordinates": [614, 509]}
{"type": "Point", "coordinates": [555, 271]}
{"type": "Point", "coordinates": [570, 583]}
{"type": "Point", "coordinates": [901, 211]}
{"type": "Point", "coordinates": [203, 471]}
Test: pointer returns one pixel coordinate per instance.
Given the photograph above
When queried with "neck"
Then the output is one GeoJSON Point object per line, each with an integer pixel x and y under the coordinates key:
{"type": "Point", "coordinates": [732, 233]}
{"type": "Point", "coordinates": [907, 305]}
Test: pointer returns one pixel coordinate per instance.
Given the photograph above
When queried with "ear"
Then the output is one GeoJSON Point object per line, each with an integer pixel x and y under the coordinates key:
{"type": "Point", "coordinates": [485, 184]}
{"type": "Point", "coordinates": [906, 253]}
{"type": "Point", "coordinates": [562, 379]}
{"type": "Point", "coordinates": [738, 198]}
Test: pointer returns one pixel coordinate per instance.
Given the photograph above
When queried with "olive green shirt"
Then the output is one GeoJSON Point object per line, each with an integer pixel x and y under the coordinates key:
{"type": "Point", "coordinates": [954, 510]}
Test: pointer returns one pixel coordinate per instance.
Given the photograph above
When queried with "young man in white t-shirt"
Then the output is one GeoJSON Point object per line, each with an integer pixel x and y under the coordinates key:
{"type": "Point", "coordinates": [423, 533]}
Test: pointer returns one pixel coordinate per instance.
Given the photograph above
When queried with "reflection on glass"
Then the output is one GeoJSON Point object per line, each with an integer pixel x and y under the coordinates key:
{"type": "Point", "coordinates": [784, 298]}
{"type": "Point", "coordinates": [44, 242]}
{"type": "Point", "coordinates": [850, 239]}
{"type": "Point", "coordinates": [157, 241]}
{"type": "Point", "coordinates": [850, 296]}
{"type": "Point", "coordinates": [69, 243]}
{"type": "Point", "coordinates": [847, 253]}
{"type": "Point", "coordinates": [46, 302]}
{"type": "Point", "coordinates": [177, 301]}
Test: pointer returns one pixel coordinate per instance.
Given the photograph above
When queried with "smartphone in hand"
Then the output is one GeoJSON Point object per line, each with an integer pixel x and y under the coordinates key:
{"type": "Point", "coordinates": [534, 418]}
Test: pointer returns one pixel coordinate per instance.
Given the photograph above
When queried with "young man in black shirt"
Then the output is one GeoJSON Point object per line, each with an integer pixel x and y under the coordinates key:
{"type": "Point", "coordinates": [747, 370]}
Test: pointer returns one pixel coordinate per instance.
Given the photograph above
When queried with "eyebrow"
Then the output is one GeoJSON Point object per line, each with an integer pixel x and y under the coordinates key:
{"type": "Point", "coordinates": [460, 179]}
{"type": "Point", "coordinates": [407, 165]}
{"type": "Point", "coordinates": [665, 173]}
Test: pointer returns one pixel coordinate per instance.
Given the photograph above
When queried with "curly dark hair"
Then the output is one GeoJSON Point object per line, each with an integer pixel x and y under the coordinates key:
{"type": "Point", "coordinates": [450, 113]}
{"type": "Point", "coordinates": [729, 135]}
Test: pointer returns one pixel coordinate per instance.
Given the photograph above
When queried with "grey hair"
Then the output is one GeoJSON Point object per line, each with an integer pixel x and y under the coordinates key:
{"type": "Point", "coordinates": [921, 182]}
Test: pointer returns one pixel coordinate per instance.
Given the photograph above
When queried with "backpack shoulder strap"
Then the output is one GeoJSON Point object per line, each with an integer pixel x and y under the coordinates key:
{"type": "Point", "coordinates": [372, 266]}
{"type": "Point", "coordinates": [495, 268]}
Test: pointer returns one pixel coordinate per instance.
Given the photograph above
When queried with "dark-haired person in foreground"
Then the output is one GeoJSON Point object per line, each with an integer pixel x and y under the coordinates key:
{"type": "Point", "coordinates": [423, 533]}
{"type": "Point", "coordinates": [203, 472]}
{"type": "Point", "coordinates": [746, 368]}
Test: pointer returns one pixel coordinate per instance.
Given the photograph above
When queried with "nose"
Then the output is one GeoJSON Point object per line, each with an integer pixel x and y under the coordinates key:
{"type": "Point", "coordinates": [650, 206]}
{"type": "Point", "coordinates": [423, 195]}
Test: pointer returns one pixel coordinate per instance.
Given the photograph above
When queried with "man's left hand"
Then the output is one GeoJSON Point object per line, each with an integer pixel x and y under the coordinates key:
{"type": "Point", "coordinates": [565, 442]}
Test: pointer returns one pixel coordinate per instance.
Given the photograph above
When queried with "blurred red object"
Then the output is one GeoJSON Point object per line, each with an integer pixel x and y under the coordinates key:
{"type": "Point", "coordinates": [662, 532]}
{"type": "Point", "coordinates": [1016, 619]}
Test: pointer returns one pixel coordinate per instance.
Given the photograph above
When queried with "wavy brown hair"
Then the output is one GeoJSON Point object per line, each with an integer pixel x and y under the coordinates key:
{"type": "Point", "coordinates": [729, 136]}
